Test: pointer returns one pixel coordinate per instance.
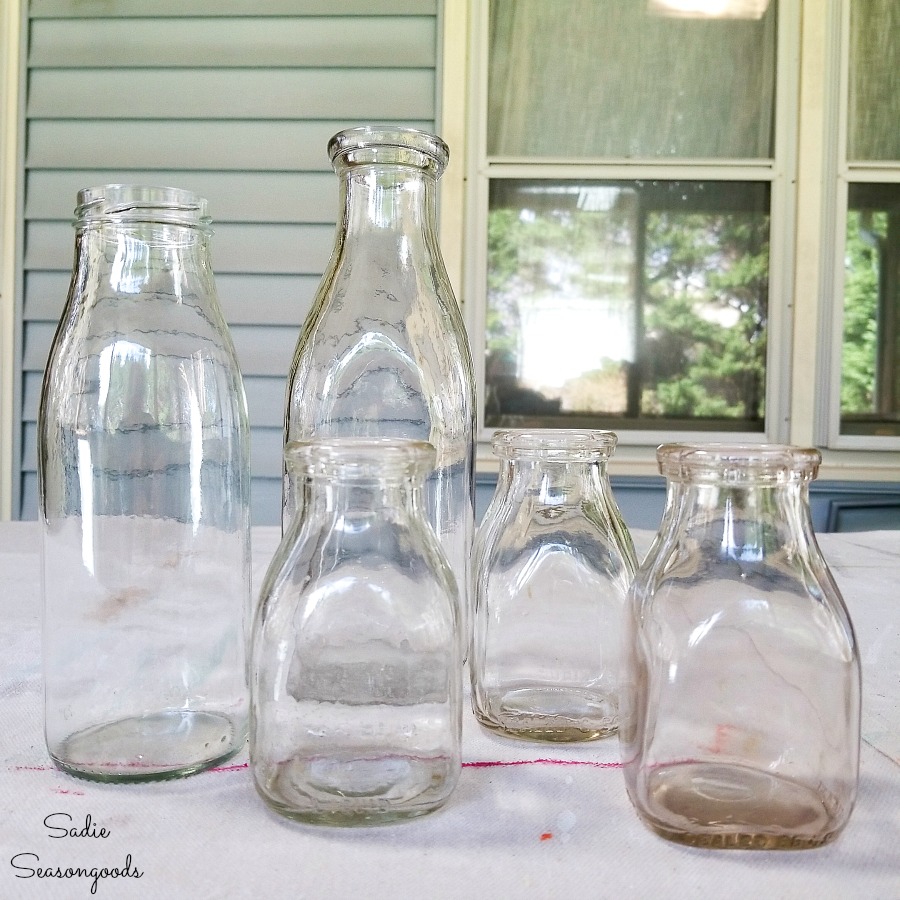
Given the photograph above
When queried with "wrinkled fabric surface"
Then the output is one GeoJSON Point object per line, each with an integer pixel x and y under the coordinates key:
{"type": "Point", "coordinates": [527, 820]}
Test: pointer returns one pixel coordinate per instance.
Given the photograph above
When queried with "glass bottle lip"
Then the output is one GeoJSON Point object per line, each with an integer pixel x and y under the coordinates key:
{"type": "Point", "coordinates": [389, 145]}
{"type": "Point", "coordinates": [729, 463]}
{"type": "Point", "coordinates": [555, 444]}
{"type": "Point", "coordinates": [360, 457]}
{"type": "Point", "coordinates": [141, 203]}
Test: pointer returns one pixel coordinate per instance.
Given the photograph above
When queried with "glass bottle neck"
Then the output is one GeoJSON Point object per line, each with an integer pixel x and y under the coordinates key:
{"type": "Point", "coordinates": [388, 201]}
{"type": "Point", "coordinates": [553, 482]}
{"type": "Point", "coordinates": [381, 499]}
{"type": "Point", "coordinates": [748, 519]}
{"type": "Point", "coordinates": [143, 257]}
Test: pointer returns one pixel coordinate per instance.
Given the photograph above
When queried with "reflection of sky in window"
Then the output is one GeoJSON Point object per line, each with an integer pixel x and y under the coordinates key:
{"type": "Point", "coordinates": [588, 197]}
{"type": "Point", "coordinates": [589, 307]}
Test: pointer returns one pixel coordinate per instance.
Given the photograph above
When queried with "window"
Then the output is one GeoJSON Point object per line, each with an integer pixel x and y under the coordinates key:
{"type": "Point", "coordinates": [867, 284]}
{"type": "Point", "coordinates": [631, 197]}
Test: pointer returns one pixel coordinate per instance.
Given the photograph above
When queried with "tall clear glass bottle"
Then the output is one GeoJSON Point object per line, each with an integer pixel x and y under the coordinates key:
{"type": "Point", "coordinates": [384, 352]}
{"type": "Point", "coordinates": [553, 563]}
{"type": "Point", "coordinates": [143, 452]}
{"type": "Point", "coordinates": [741, 700]}
{"type": "Point", "coordinates": [356, 686]}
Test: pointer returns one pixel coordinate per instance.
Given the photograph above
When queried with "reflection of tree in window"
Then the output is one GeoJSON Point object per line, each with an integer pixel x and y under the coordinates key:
{"type": "Point", "coordinates": [632, 300]}
{"type": "Point", "coordinates": [705, 346]}
{"type": "Point", "coordinates": [870, 365]}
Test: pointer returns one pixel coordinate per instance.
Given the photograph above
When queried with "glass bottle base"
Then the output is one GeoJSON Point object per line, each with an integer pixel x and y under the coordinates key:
{"type": "Point", "coordinates": [560, 715]}
{"type": "Point", "coordinates": [168, 744]}
{"type": "Point", "coordinates": [356, 789]}
{"type": "Point", "coordinates": [722, 806]}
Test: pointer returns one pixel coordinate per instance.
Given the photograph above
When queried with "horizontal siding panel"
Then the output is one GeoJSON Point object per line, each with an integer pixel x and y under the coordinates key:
{"type": "Point", "coordinates": [360, 42]}
{"type": "Point", "coordinates": [45, 295]}
{"type": "Point", "coordinates": [29, 447]}
{"type": "Point", "coordinates": [31, 392]}
{"type": "Point", "coordinates": [261, 349]}
{"type": "Point", "coordinates": [171, 145]}
{"type": "Point", "coordinates": [265, 502]}
{"type": "Point", "coordinates": [246, 249]}
{"type": "Point", "coordinates": [266, 299]}
{"type": "Point", "coordinates": [233, 197]}
{"type": "Point", "coordinates": [231, 94]}
{"type": "Point", "coordinates": [29, 499]}
{"type": "Point", "coordinates": [265, 399]}
{"type": "Point", "coordinates": [36, 347]}
{"type": "Point", "coordinates": [266, 451]}
{"type": "Point", "coordinates": [264, 349]}
{"type": "Point", "coordinates": [239, 110]}
{"type": "Point", "coordinates": [244, 299]}
{"type": "Point", "coordinates": [188, 8]}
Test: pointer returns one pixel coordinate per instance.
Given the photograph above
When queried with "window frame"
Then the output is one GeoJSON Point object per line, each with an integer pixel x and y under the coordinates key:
{"type": "Point", "coordinates": [840, 174]}
{"type": "Point", "coordinates": [779, 172]}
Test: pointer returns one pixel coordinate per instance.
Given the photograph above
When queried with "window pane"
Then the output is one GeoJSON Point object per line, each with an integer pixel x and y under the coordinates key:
{"type": "Point", "coordinates": [870, 371]}
{"type": "Point", "coordinates": [615, 78]}
{"type": "Point", "coordinates": [874, 100]}
{"type": "Point", "coordinates": [633, 304]}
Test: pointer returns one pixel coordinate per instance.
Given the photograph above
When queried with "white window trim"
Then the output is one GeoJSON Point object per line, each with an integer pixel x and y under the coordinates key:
{"type": "Point", "coordinates": [841, 174]}
{"type": "Point", "coordinates": [635, 444]}
{"type": "Point", "coordinates": [804, 353]}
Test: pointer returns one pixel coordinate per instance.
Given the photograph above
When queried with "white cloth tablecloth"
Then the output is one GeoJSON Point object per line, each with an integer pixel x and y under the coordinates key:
{"type": "Point", "coordinates": [526, 820]}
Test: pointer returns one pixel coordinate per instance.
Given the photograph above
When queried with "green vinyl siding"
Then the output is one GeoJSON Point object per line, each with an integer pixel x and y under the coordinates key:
{"type": "Point", "coordinates": [238, 106]}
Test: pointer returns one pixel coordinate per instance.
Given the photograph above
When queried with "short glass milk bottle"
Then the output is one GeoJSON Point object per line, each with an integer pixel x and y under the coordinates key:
{"type": "Point", "coordinates": [741, 698]}
{"type": "Point", "coordinates": [356, 685]}
{"type": "Point", "coordinates": [143, 451]}
{"type": "Point", "coordinates": [553, 562]}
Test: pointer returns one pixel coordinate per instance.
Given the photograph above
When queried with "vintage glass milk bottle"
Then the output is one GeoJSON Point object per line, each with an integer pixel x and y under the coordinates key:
{"type": "Point", "coordinates": [384, 352]}
{"type": "Point", "coordinates": [553, 563]}
{"type": "Point", "coordinates": [356, 685]}
{"type": "Point", "coordinates": [144, 499]}
{"type": "Point", "coordinates": [741, 699]}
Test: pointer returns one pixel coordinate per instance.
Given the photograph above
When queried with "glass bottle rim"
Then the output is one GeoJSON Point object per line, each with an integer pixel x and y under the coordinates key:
{"type": "Point", "coordinates": [360, 457]}
{"type": "Point", "coordinates": [554, 444]}
{"type": "Point", "coordinates": [141, 203]}
{"type": "Point", "coordinates": [726, 462]}
{"type": "Point", "coordinates": [390, 145]}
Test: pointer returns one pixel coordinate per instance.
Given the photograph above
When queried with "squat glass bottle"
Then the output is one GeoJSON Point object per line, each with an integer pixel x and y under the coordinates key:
{"type": "Point", "coordinates": [383, 351]}
{"type": "Point", "coordinates": [741, 709]}
{"type": "Point", "coordinates": [144, 499]}
{"type": "Point", "coordinates": [356, 686]}
{"type": "Point", "coordinates": [553, 563]}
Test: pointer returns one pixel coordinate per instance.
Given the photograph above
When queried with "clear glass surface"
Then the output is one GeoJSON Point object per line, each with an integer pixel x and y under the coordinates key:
{"type": "Point", "coordinates": [741, 695]}
{"type": "Point", "coordinates": [874, 92]}
{"type": "Point", "coordinates": [357, 664]}
{"type": "Point", "coordinates": [144, 500]}
{"type": "Point", "coordinates": [384, 352]}
{"type": "Point", "coordinates": [643, 304]}
{"type": "Point", "coordinates": [624, 78]}
{"type": "Point", "coordinates": [553, 562]}
{"type": "Point", "coordinates": [870, 362]}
